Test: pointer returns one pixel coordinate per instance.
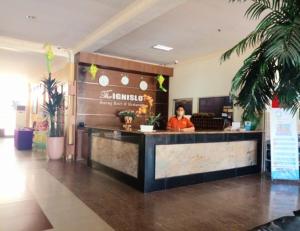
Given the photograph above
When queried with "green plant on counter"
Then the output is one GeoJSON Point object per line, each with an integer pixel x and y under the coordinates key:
{"type": "Point", "coordinates": [153, 120]}
{"type": "Point", "coordinates": [255, 120]}
{"type": "Point", "coordinates": [273, 68]}
{"type": "Point", "coordinates": [53, 106]}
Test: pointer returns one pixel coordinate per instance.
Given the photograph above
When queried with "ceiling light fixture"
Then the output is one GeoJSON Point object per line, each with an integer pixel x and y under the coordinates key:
{"type": "Point", "coordinates": [30, 17]}
{"type": "Point", "coordinates": [162, 47]}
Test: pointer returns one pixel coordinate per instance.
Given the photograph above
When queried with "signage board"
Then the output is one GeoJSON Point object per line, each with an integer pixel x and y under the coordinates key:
{"type": "Point", "coordinates": [284, 145]}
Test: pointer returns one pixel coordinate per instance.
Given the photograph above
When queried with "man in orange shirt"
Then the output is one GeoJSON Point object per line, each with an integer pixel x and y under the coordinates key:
{"type": "Point", "coordinates": [179, 122]}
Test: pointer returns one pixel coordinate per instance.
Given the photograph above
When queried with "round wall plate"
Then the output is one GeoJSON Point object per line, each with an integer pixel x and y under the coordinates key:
{"type": "Point", "coordinates": [143, 85]}
{"type": "Point", "coordinates": [125, 80]}
{"type": "Point", "coordinates": [103, 80]}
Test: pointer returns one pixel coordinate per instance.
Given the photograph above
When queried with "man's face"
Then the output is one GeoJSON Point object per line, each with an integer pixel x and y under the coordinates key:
{"type": "Point", "coordinates": [180, 111]}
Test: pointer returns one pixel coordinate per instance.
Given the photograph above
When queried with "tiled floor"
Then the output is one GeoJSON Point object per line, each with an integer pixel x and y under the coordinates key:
{"type": "Point", "coordinates": [36, 194]}
{"type": "Point", "coordinates": [31, 199]}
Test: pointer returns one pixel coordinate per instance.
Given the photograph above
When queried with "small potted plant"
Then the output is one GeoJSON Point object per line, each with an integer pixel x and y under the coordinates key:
{"type": "Point", "coordinates": [250, 121]}
{"type": "Point", "coordinates": [127, 118]}
{"type": "Point", "coordinates": [53, 108]}
{"type": "Point", "coordinates": [151, 118]}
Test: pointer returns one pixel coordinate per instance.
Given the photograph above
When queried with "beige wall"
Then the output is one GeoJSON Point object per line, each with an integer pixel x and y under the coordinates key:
{"type": "Point", "coordinates": [203, 77]}
{"type": "Point", "coordinates": [66, 75]}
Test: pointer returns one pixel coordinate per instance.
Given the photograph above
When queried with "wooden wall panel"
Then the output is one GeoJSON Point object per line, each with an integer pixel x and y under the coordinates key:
{"type": "Point", "coordinates": [95, 106]}
{"type": "Point", "coordinates": [107, 62]}
{"type": "Point", "coordinates": [99, 120]}
{"type": "Point", "coordinates": [95, 91]}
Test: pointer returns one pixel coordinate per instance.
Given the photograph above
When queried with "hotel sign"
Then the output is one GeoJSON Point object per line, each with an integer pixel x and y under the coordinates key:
{"type": "Point", "coordinates": [109, 97]}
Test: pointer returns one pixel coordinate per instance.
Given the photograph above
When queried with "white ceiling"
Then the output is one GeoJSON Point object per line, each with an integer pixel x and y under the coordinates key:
{"type": "Point", "coordinates": [191, 29]}
{"type": "Point", "coordinates": [59, 22]}
{"type": "Point", "coordinates": [30, 66]}
{"type": "Point", "coordinates": [126, 28]}
{"type": "Point", "coordinates": [62, 23]}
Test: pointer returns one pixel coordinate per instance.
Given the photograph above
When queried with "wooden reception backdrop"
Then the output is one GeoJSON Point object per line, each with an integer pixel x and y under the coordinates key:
{"type": "Point", "coordinates": [98, 105]}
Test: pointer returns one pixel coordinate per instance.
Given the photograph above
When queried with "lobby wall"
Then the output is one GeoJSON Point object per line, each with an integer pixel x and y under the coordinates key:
{"type": "Point", "coordinates": [204, 76]}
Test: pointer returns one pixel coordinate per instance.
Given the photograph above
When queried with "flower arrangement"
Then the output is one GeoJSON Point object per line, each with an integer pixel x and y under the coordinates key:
{"type": "Point", "coordinates": [127, 117]}
{"type": "Point", "coordinates": [146, 109]}
{"type": "Point", "coordinates": [123, 114]}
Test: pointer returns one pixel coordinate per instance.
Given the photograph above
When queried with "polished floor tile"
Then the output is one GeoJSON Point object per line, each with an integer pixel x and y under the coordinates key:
{"type": "Point", "coordinates": [31, 199]}
{"type": "Point", "coordinates": [24, 216]}
{"type": "Point", "coordinates": [233, 204]}
{"type": "Point", "coordinates": [71, 196]}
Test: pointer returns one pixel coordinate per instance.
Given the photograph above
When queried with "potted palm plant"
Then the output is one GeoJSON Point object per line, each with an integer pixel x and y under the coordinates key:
{"type": "Point", "coordinates": [53, 107]}
{"type": "Point", "coordinates": [272, 70]}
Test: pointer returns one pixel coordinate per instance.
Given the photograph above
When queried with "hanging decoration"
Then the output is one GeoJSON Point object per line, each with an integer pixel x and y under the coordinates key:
{"type": "Point", "coordinates": [49, 56]}
{"type": "Point", "coordinates": [161, 79]}
{"type": "Point", "coordinates": [93, 71]}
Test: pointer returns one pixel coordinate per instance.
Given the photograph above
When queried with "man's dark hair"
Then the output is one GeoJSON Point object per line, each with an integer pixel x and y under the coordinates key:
{"type": "Point", "coordinates": [179, 106]}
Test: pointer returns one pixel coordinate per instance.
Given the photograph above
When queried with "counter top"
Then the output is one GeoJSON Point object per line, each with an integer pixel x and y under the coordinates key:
{"type": "Point", "coordinates": [166, 132]}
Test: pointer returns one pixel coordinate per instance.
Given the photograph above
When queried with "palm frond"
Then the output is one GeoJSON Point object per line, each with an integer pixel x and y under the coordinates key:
{"type": "Point", "coordinates": [257, 36]}
{"type": "Point", "coordinates": [253, 84]}
{"type": "Point", "coordinates": [273, 68]}
{"type": "Point", "coordinates": [53, 104]}
{"type": "Point", "coordinates": [288, 90]}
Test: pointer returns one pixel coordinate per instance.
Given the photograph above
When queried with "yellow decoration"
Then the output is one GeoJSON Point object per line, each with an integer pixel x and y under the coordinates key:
{"type": "Point", "coordinates": [49, 56]}
{"type": "Point", "coordinates": [161, 79]}
{"type": "Point", "coordinates": [93, 71]}
{"type": "Point", "coordinates": [146, 108]}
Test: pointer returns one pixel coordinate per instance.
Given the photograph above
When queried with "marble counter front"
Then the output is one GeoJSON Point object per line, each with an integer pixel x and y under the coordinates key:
{"type": "Point", "coordinates": [164, 159]}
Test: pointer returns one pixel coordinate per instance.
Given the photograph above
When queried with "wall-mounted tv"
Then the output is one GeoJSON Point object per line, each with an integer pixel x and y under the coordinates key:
{"type": "Point", "coordinates": [214, 104]}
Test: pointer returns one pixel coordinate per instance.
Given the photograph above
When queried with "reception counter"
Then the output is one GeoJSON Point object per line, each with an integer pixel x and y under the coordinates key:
{"type": "Point", "coordinates": [162, 159]}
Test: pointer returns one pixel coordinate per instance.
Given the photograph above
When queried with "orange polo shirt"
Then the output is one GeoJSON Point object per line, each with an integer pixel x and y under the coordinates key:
{"type": "Point", "coordinates": [176, 123]}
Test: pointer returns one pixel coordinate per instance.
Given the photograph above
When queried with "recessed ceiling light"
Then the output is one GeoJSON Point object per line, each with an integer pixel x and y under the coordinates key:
{"type": "Point", "coordinates": [162, 47]}
{"type": "Point", "coordinates": [30, 17]}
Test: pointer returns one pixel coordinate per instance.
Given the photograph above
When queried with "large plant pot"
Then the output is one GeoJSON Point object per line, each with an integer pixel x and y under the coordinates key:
{"type": "Point", "coordinates": [146, 128]}
{"type": "Point", "coordinates": [55, 147]}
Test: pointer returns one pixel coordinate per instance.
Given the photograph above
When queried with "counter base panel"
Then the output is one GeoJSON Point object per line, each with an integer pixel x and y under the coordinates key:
{"type": "Point", "coordinates": [186, 159]}
{"type": "Point", "coordinates": [246, 147]}
{"type": "Point", "coordinates": [119, 155]}
{"type": "Point", "coordinates": [127, 179]}
{"type": "Point", "coordinates": [173, 182]}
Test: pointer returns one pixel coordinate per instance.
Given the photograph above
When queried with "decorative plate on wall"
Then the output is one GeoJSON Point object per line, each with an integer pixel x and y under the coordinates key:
{"type": "Point", "coordinates": [143, 85]}
{"type": "Point", "coordinates": [125, 80]}
{"type": "Point", "coordinates": [103, 80]}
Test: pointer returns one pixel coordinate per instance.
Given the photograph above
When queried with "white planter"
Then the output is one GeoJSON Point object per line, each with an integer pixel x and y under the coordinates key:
{"type": "Point", "coordinates": [55, 147]}
{"type": "Point", "coordinates": [146, 128]}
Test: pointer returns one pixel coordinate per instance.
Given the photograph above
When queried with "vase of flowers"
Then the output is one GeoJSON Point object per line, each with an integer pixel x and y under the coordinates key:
{"type": "Point", "coordinates": [127, 118]}
{"type": "Point", "coordinates": [147, 111]}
